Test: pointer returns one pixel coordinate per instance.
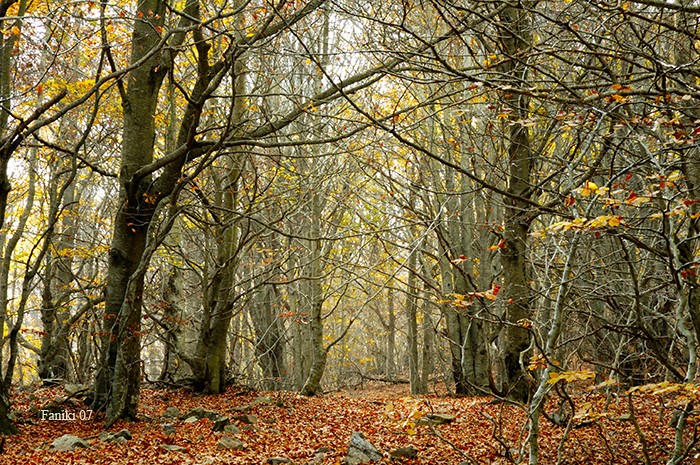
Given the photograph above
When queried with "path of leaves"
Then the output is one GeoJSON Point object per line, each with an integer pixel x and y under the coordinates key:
{"type": "Point", "coordinates": [297, 428]}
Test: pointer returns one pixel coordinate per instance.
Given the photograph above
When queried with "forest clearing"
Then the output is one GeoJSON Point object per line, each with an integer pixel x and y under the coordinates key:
{"type": "Point", "coordinates": [263, 204]}
{"type": "Point", "coordinates": [317, 430]}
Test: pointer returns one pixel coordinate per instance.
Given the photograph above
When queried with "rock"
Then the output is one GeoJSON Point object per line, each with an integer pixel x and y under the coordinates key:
{"type": "Point", "coordinates": [68, 442]}
{"type": "Point", "coordinates": [318, 459]}
{"type": "Point", "coordinates": [278, 460]}
{"type": "Point", "coordinates": [200, 413]}
{"type": "Point", "coordinates": [125, 433]}
{"type": "Point", "coordinates": [360, 450]}
{"type": "Point", "coordinates": [51, 407]}
{"type": "Point", "coordinates": [232, 429]}
{"type": "Point", "coordinates": [229, 442]}
{"type": "Point", "coordinates": [263, 400]}
{"type": "Point", "coordinates": [191, 420]}
{"type": "Point", "coordinates": [248, 419]}
{"type": "Point", "coordinates": [404, 453]}
{"type": "Point", "coordinates": [171, 412]}
{"type": "Point", "coordinates": [122, 436]}
{"type": "Point", "coordinates": [220, 424]}
{"type": "Point", "coordinates": [241, 408]}
{"type": "Point", "coordinates": [168, 429]}
{"type": "Point", "coordinates": [173, 448]}
{"type": "Point", "coordinates": [73, 389]}
{"type": "Point", "coordinates": [436, 419]}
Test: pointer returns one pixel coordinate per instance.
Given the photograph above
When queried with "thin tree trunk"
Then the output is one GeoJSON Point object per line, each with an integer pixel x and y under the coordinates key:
{"type": "Point", "coordinates": [391, 336]}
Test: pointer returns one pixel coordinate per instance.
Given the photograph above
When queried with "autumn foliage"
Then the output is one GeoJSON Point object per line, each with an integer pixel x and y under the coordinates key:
{"type": "Point", "coordinates": [604, 428]}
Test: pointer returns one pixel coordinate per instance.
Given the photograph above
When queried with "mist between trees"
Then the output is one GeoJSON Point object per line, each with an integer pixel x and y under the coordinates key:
{"type": "Point", "coordinates": [303, 195]}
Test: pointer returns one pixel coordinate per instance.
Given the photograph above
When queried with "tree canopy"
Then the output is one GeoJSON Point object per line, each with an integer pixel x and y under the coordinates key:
{"type": "Point", "coordinates": [499, 196]}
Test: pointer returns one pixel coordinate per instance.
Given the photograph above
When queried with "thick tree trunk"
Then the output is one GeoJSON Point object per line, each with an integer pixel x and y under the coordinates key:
{"type": "Point", "coordinates": [7, 44]}
{"type": "Point", "coordinates": [118, 380]}
{"type": "Point", "coordinates": [515, 338]}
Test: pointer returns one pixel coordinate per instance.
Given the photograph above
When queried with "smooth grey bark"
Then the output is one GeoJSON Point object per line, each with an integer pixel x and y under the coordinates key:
{"type": "Point", "coordinates": [314, 299]}
{"type": "Point", "coordinates": [515, 42]}
{"type": "Point", "coordinates": [391, 334]}
{"type": "Point", "coordinates": [170, 302]}
{"type": "Point", "coordinates": [313, 271]}
{"type": "Point", "coordinates": [411, 304]}
{"type": "Point", "coordinates": [427, 365]}
{"type": "Point", "coordinates": [464, 329]}
{"type": "Point", "coordinates": [54, 357]}
{"type": "Point", "coordinates": [117, 384]}
{"type": "Point", "coordinates": [210, 359]}
{"type": "Point", "coordinates": [269, 341]}
{"type": "Point", "coordinates": [414, 373]}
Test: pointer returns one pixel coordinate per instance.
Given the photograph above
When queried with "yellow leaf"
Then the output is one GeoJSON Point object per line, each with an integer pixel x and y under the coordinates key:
{"type": "Point", "coordinates": [614, 221]}
{"type": "Point", "coordinates": [570, 376]}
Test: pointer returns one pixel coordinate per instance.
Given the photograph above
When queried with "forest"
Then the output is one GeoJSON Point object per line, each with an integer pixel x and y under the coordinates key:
{"type": "Point", "coordinates": [492, 203]}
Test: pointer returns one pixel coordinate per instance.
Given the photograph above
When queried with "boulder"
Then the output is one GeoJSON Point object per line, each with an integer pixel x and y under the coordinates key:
{"type": "Point", "coordinates": [173, 448]}
{"type": "Point", "coordinates": [278, 460]}
{"type": "Point", "coordinates": [121, 436]}
{"type": "Point", "coordinates": [73, 389]}
{"type": "Point", "coordinates": [171, 412]}
{"type": "Point", "coordinates": [168, 429]}
{"type": "Point", "coordinates": [318, 459]}
{"type": "Point", "coordinates": [229, 442]}
{"type": "Point", "coordinates": [200, 413]}
{"type": "Point", "coordinates": [360, 450]}
{"type": "Point", "coordinates": [263, 400]}
{"type": "Point", "coordinates": [68, 442]}
{"type": "Point", "coordinates": [248, 419]}
{"type": "Point", "coordinates": [232, 429]}
{"type": "Point", "coordinates": [436, 419]}
{"type": "Point", "coordinates": [404, 453]}
{"type": "Point", "coordinates": [221, 423]}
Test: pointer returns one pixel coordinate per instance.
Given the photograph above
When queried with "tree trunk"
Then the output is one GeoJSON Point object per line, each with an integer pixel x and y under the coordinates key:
{"type": "Point", "coordinates": [391, 335]}
{"type": "Point", "coordinates": [414, 373]}
{"type": "Point", "coordinates": [269, 344]}
{"type": "Point", "coordinates": [118, 380]}
{"type": "Point", "coordinates": [315, 300]}
{"type": "Point", "coordinates": [210, 360]}
{"type": "Point", "coordinates": [515, 338]}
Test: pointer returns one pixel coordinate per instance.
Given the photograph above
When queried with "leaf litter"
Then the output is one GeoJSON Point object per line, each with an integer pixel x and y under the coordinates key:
{"type": "Point", "coordinates": [316, 430]}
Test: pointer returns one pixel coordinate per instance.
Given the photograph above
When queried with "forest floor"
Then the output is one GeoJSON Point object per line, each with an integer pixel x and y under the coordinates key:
{"type": "Point", "coordinates": [317, 430]}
